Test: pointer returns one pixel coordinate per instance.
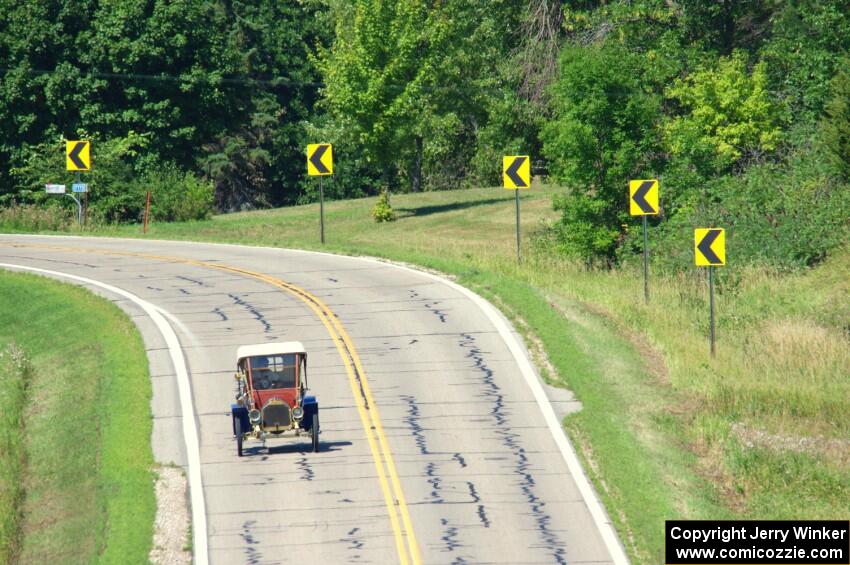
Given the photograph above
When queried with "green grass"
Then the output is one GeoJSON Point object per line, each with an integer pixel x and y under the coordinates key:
{"type": "Point", "coordinates": [666, 431]}
{"type": "Point", "coordinates": [15, 376]}
{"type": "Point", "coordinates": [83, 437]}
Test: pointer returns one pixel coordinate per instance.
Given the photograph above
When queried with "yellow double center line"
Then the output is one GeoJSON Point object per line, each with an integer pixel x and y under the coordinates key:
{"type": "Point", "coordinates": [408, 550]}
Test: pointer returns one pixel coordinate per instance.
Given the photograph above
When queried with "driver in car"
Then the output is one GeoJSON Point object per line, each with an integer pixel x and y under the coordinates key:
{"type": "Point", "coordinates": [260, 368]}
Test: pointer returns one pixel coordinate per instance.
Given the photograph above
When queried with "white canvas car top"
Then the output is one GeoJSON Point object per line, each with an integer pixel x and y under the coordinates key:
{"type": "Point", "coordinates": [279, 348]}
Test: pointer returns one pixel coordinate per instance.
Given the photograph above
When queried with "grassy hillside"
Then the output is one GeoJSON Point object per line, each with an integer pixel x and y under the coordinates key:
{"type": "Point", "coordinates": [75, 460]}
{"type": "Point", "coordinates": [478, 222]}
{"type": "Point", "coordinates": [666, 431]}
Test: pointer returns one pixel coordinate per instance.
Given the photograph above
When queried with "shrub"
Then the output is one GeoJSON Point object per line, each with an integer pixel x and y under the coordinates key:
{"type": "Point", "coordinates": [30, 217]}
{"type": "Point", "coordinates": [113, 192]}
{"type": "Point", "coordinates": [116, 190]}
{"type": "Point", "coordinates": [383, 212]}
{"type": "Point", "coordinates": [784, 216]}
{"type": "Point", "coordinates": [803, 51]}
{"type": "Point", "coordinates": [578, 232]}
{"type": "Point", "coordinates": [178, 196]}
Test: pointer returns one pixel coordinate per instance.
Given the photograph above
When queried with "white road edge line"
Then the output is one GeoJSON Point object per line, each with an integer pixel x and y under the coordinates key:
{"type": "Point", "coordinates": [190, 432]}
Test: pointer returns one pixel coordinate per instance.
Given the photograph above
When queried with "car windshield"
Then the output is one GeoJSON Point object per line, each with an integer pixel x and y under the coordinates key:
{"type": "Point", "coordinates": [273, 371]}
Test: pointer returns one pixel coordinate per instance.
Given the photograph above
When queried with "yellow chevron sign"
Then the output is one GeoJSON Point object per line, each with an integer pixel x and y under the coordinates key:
{"type": "Point", "coordinates": [516, 171]}
{"type": "Point", "coordinates": [320, 160]}
{"type": "Point", "coordinates": [709, 247]}
{"type": "Point", "coordinates": [643, 197]}
{"type": "Point", "coordinates": [78, 155]}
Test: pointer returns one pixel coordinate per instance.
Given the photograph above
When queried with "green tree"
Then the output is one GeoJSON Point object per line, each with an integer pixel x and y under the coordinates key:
{"type": "Point", "coordinates": [168, 65]}
{"type": "Point", "coordinates": [259, 160]}
{"type": "Point", "coordinates": [724, 25]}
{"type": "Point", "coordinates": [806, 42]}
{"type": "Point", "coordinates": [375, 75]}
{"type": "Point", "coordinates": [602, 134]}
{"type": "Point", "coordinates": [238, 162]}
{"type": "Point", "coordinates": [727, 115]}
{"type": "Point", "coordinates": [409, 83]}
{"type": "Point", "coordinates": [195, 76]}
{"type": "Point", "coordinates": [42, 89]}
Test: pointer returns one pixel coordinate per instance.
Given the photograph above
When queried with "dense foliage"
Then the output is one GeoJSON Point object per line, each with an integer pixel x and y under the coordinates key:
{"type": "Point", "coordinates": [601, 133]}
{"type": "Point", "coordinates": [218, 89]}
{"type": "Point", "coordinates": [740, 108]}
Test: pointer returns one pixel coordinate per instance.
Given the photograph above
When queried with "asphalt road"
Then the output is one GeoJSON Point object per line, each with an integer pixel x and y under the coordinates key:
{"type": "Point", "coordinates": [462, 467]}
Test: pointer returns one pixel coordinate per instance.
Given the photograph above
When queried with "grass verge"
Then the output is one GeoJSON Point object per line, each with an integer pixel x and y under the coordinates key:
{"type": "Point", "coordinates": [666, 432]}
{"type": "Point", "coordinates": [15, 375]}
{"type": "Point", "coordinates": [82, 439]}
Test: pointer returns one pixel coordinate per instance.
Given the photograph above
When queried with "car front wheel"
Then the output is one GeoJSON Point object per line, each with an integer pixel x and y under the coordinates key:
{"type": "Point", "coordinates": [237, 427]}
{"type": "Point", "coordinates": [315, 430]}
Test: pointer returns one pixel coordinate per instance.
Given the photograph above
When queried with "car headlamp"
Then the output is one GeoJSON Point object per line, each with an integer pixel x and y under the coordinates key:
{"type": "Point", "coordinates": [254, 416]}
{"type": "Point", "coordinates": [297, 412]}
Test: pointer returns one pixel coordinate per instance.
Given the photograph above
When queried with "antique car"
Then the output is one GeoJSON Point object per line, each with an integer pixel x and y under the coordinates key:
{"type": "Point", "coordinates": [271, 399]}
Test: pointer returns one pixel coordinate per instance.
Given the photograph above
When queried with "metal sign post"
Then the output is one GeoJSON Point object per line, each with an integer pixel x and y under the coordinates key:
{"type": "Point", "coordinates": [711, 308]}
{"type": "Point", "coordinates": [643, 201]}
{"type": "Point", "coordinates": [320, 162]}
{"type": "Point", "coordinates": [60, 189]}
{"type": "Point", "coordinates": [82, 188]}
{"type": "Point", "coordinates": [516, 175]}
{"type": "Point", "coordinates": [79, 208]}
{"type": "Point", "coordinates": [710, 251]}
{"type": "Point", "coordinates": [645, 263]}
{"type": "Point", "coordinates": [77, 182]}
{"type": "Point", "coordinates": [147, 211]}
{"type": "Point", "coordinates": [77, 159]}
{"type": "Point", "coordinates": [518, 256]}
{"type": "Point", "coordinates": [322, 209]}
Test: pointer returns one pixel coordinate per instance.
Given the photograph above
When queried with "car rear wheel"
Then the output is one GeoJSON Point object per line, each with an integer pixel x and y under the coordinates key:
{"type": "Point", "coordinates": [237, 427]}
{"type": "Point", "coordinates": [315, 430]}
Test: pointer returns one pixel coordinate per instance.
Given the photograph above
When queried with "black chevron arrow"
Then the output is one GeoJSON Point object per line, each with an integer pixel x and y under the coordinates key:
{"type": "Point", "coordinates": [705, 247]}
{"type": "Point", "coordinates": [74, 155]}
{"type": "Point", "coordinates": [316, 159]}
{"type": "Point", "coordinates": [639, 197]}
{"type": "Point", "coordinates": [513, 172]}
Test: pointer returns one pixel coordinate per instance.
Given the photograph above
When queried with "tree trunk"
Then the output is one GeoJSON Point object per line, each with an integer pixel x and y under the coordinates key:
{"type": "Point", "coordinates": [417, 166]}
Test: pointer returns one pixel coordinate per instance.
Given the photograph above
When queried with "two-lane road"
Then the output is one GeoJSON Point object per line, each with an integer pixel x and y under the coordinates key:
{"type": "Point", "coordinates": [435, 448]}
